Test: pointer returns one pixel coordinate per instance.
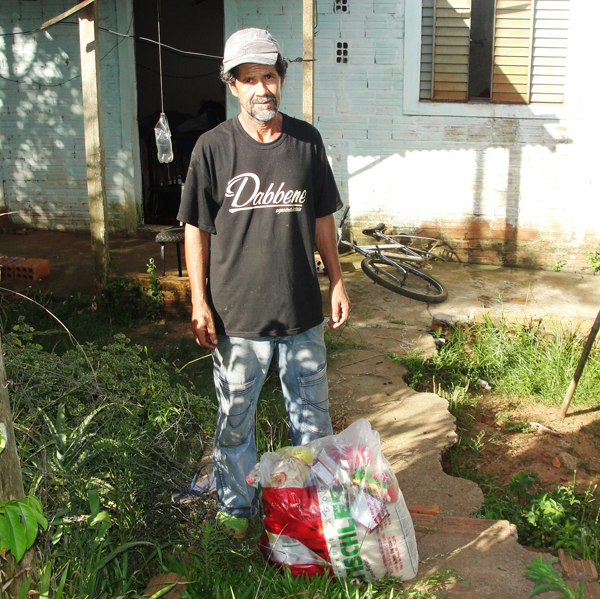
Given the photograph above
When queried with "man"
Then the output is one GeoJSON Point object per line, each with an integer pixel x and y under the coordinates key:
{"type": "Point", "coordinates": [258, 197]}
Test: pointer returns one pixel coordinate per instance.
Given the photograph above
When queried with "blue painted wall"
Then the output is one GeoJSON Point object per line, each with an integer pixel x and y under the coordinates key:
{"type": "Point", "coordinates": [42, 154]}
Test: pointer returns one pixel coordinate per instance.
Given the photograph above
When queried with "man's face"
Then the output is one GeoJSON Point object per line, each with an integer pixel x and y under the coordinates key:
{"type": "Point", "coordinates": [258, 88]}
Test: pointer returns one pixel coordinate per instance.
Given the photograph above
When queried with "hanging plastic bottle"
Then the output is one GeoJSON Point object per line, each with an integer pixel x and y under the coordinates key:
{"type": "Point", "coordinates": [162, 132]}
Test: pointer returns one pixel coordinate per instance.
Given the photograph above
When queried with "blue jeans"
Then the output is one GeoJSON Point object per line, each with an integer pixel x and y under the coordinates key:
{"type": "Point", "coordinates": [239, 368]}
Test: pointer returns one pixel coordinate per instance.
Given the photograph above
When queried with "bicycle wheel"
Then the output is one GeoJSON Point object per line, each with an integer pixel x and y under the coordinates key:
{"type": "Point", "coordinates": [404, 279]}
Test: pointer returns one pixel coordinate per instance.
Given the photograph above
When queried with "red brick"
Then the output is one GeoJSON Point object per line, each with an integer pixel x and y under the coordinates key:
{"type": "Point", "coordinates": [7, 267]}
{"type": "Point", "coordinates": [478, 229]}
{"type": "Point", "coordinates": [454, 231]}
{"type": "Point", "coordinates": [527, 234]}
{"type": "Point", "coordinates": [472, 245]}
{"type": "Point", "coordinates": [32, 269]}
{"type": "Point", "coordinates": [424, 509]}
{"type": "Point", "coordinates": [591, 237]}
{"type": "Point", "coordinates": [502, 230]}
{"type": "Point", "coordinates": [568, 564]}
{"type": "Point", "coordinates": [430, 521]}
{"type": "Point", "coordinates": [430, 231]}
{"type": "Point", "coordinates": [479, 257]}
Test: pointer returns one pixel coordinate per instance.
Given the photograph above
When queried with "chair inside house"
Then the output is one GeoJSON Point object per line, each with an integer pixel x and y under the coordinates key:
{"type": "Point", "coordinates": [171, 235]}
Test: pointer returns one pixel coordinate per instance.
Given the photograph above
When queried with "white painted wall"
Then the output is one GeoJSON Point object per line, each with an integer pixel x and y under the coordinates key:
{"type": "Point", "coordinates": [42, 156]}
{"type": "Point", "coordinates": [507, 184]}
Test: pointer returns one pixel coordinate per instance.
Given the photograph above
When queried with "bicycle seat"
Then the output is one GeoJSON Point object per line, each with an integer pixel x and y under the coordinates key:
{"type": "Point", "coordinates": [376, 229]}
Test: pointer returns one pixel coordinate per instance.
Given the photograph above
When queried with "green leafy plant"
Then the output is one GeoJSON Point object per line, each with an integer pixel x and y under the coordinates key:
{"type": "Point", "coordinates": [547, 579]}
{"type": "Point", "coordinates": [510, 424]}
{"type": "Point", "coordinates": [593, 259]}
{"type": "Point", "coordinates": [20, 521]}
{"type": "Point", "coordinates": [562, 518]}
{"type": "Point", "coordinates": [153, 291]}
{"type": "Point", "coordinates": [558, 265]}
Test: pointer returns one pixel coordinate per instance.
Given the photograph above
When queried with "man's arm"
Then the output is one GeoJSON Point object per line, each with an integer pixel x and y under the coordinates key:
{"type": "Point", "coordinates": [326, 242]}
{"type": "Point", "coordinates": [197, 246]}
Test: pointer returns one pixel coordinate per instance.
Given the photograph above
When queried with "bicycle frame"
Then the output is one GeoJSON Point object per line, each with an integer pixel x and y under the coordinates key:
{"type": "Point", "coordinates": [402, 251]}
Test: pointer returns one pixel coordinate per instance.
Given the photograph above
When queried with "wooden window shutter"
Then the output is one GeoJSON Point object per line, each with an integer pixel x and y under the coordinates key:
{"type": "Point", "coordinates": [452, 32]}
{"type": "Point", "coordinates": [426, 49]}
{"type": "Point", "coordinates": [512, 58]}
{"type": "Point", "coordinates": [549, 65]}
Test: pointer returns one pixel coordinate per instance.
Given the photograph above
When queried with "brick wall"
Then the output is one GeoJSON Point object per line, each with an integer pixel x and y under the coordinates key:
{"type": "Point", "coordinates": [513, 191]}
{"type": "Point", "coordinates": [42, 154]}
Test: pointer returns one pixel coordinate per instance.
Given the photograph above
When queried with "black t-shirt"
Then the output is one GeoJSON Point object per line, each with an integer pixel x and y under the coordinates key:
{"type": "Point", "coordinates": [260, 202]}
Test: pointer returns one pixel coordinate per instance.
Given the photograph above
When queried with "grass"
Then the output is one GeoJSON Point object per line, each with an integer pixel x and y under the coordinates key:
{"type": "Point", "coordinates": [107, 429]}
{"type": "Point", "coordinates": [525, 360]}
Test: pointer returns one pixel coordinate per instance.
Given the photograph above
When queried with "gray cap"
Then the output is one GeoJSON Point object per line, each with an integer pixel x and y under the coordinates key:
{"type": "Point", "coordinates": [251, 45]}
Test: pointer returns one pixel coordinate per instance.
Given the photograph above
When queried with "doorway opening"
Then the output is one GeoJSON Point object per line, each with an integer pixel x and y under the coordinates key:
{"type": "Point", "coordinates": [193, 95]}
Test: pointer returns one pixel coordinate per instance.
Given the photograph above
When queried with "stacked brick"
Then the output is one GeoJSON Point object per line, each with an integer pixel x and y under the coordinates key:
{"type": "Point", "coordinates": [23, 269]}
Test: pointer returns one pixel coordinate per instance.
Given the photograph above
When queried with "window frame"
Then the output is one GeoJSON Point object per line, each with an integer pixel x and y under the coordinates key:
{"type": "Point", "coordinates": [413, 106]}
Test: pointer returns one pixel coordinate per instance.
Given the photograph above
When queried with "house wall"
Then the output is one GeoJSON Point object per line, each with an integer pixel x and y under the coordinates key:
{"type": "Point", "coordinates": [42, 154]}
{"type": "Point", "coordinates": [505, 185]}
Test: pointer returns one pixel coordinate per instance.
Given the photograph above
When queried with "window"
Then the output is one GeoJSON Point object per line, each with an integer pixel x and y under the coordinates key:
{"type": "Point", "coordinates": [494, 51]}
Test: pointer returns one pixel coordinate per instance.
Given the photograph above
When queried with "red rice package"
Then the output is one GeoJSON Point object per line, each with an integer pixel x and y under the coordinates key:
{"type": "Point", "coordinates": [334, 506]}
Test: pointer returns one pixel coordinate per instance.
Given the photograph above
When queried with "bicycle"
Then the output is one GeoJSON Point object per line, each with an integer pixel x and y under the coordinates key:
{"type": "Point", "coordinates": [386, 264]}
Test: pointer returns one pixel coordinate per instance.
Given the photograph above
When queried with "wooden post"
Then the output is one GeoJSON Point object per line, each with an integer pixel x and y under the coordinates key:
{"type": "Point", "coordinates": [92, 129]}
{"type": "Point", "coordinates": [11, 484]}
{"type": "Point", "coordinates": [94, 142]}
{"type": "Point", "coordinates": [308, 66]}
{"type": "Point", "coordinates": [584, 356]}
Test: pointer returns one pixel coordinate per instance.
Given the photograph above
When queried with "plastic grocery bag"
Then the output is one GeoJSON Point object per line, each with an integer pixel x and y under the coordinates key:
{"type": "Point", "coordinates": [334, 506]}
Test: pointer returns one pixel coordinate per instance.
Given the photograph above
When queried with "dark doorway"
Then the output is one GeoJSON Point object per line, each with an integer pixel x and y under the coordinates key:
{"type": "Point", "coordinates": [193, 95]}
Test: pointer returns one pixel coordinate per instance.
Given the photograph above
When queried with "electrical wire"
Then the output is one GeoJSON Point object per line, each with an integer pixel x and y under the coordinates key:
{"type": "Point", "coordinates": [124, 35]}
{"type": "Point", "coordinates": [76, 76]}
{"type": "Point", "coordinates": [133, 37]}
{"type": "Point", "coordinates": [145, 39]}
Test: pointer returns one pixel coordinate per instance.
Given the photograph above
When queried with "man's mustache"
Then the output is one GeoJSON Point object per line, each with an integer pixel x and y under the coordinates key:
{"type": "Point", "coordinates": [262, 99]}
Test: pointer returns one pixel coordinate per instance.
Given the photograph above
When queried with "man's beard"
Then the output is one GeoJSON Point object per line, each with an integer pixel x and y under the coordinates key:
{"type": "Point", "coordinates": [264, 115]}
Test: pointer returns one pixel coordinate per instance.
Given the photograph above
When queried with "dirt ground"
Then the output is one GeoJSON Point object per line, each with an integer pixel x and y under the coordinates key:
{"type": "Point", "coordinates": [568, 451]}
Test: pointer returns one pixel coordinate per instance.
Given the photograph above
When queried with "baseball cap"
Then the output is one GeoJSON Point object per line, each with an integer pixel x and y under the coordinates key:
{"type": "Point", "coordinates": [250, 46]}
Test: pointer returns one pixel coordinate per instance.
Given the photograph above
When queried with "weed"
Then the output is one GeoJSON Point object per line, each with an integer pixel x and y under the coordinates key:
{"type": "Point", "coordinates": [130, 302]}
{"type": "Point", "coordinates": [397, 321]}
{"type": "Point", "coordinates": [508, 423]}
{"type": "Point", "coordinates": [546, 579]}
{"type": "Point", "coordinates": [563, 518]}
{"type": "Point", "coordinates": [518, 360]}
{"type": "Point", "coordinates": [593, 259]}
{"type": "Point", "coordinates": [559, 265]}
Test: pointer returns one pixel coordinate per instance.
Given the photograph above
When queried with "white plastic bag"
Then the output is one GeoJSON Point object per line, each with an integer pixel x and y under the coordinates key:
{"type": "Point", "coordinates": [334, 506]}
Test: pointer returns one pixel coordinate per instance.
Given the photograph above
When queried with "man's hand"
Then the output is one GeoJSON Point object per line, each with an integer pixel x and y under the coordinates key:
{"type": "Point", "coordinates": [203, 327]}
{"type": "Point", "coordinates": [327, 245]}
{"type": "Point", "coordinates": [197, 245]}
{"type": "Point", "coordinates": [340, 305]}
